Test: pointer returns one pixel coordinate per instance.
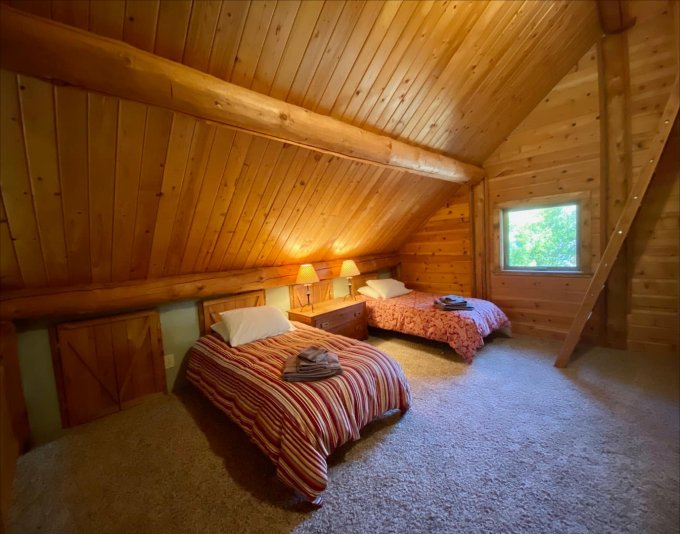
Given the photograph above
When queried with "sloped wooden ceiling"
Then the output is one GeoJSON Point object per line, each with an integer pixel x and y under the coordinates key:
{"type": "Point", "coordinates": [99, 189]}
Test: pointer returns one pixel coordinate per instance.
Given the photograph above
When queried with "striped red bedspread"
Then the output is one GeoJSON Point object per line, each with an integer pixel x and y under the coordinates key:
{"type": "Point", "coordinates": [415, 314]}
{"type": "Point", "coordinates": [298, 424]}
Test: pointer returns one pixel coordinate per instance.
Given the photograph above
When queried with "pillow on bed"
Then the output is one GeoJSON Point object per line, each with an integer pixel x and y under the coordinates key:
{"type": "Point", "coordinates": [388, 287]}
{"type": "Point", "coordinates": [221, 330]}
{"type": "Point", "coordinates": [250, 324]}
{"type": "Point", "coordinates": [369, 292]}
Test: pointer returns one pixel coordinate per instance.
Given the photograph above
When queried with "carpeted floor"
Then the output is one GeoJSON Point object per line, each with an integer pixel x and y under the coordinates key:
{"type": "Point", "coordinates": [508, 444]}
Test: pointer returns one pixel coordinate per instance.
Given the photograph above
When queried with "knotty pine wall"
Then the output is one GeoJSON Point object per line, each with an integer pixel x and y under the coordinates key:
{"type": "Point", "coordinates": [386, 66]}
{"type": "Point", "coordinates": [438, 257]}
{"type": "Point", "coordinates": [653, 318]}
{"type": "Point", "coordinates": [556, 149]}
{"type": "Point", "coordinates": [100, 189]}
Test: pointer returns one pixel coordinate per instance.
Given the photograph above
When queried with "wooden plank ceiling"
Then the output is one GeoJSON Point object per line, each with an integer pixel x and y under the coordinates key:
{"type": "Point", "coordinates": [99, 189]}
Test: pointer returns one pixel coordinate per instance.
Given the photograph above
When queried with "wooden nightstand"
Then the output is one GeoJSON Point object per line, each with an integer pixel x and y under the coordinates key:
{"type": "Point", "coordinates": [338, 316]}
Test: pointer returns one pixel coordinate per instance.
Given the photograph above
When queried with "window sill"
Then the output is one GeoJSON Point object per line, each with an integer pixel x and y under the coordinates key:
{"type": "Point", "coordinates": [573, 274]}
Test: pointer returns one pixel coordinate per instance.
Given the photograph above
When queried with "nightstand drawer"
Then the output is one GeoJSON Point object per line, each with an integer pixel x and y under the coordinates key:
{"type": "Point", "coordinates": [337, 316]}
{"type": "Point", "coordinates": [332, 320]}
{"type": "Point", "coordinates": [356, 329]}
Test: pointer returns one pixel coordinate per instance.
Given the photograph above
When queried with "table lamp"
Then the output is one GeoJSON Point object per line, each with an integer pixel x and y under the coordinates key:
{"type": "Point", "coordinates": [307, 276]}
{"type": "Point", "coordinates": [349, 269]}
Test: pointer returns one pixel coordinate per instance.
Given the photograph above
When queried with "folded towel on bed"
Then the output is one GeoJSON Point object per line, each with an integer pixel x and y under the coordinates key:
{"type": "Point", "coordinates": [311, 364]}
{"type": "Point", "coordinates": [452, 307]}
{"type": "Point", "coordinates": [451, 303]}
{"type": "Point", "coordinates": [451, 299]}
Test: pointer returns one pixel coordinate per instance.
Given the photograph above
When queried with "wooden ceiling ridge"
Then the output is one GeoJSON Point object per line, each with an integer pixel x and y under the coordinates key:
{"type": "Point", "coordinates": [47, 49]}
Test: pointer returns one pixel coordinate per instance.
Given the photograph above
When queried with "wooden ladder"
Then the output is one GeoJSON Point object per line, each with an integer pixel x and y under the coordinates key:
{"type": "Point", "coordinates": [621, 229]}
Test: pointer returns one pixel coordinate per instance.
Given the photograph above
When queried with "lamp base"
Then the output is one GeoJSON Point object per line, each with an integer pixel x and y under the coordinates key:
{"type": "Point", "coordinates": [350, 294]}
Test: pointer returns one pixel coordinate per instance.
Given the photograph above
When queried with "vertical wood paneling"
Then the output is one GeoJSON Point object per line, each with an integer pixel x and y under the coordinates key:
{"type": "Point", "coordinates": [455, 76]}
{"type": "Point", "coordinates": [131, 124]}
{"type": "Point", "coordinates": [10, 275]}
{"type": "Point", "coordinates": [102, 118]}
{"type": "Point", "coordinates": [244, 182]}
{"type": "Point", "coordinates": [156, 140]}
{"type": "Point", "coordinates": [303, 27]}
{"type": "Point", "coordinates": [72, 12]}
{"type": "Point", "coordinates": [252, 39]}
{"type": "Point", "coordinates": [254, 203]}
{"type": "Point", "coordinates": [201, 144]}
{"type": "Point", "coordinates": [202, 24]}
{"type": "Point", "coordinates": [332, 54]}
{"type": "Point", "coordinates": [285, 192]}
{"type": "Point", "coordinates": [293, 246]}
{"type": "Point", "coordinates": [291, 86]}
{"type": "Point", "coordinates": [139, 28]}
{"type": "Point", "coordinates": [168, 199]}
{"type": "Point", "coordinates": [178, 154]}
{"type": "Point", "coordinates": [173, 21]}
{"type": "Point", "coordinates": [15, 186]}
{"type": "Point", "coordinates": [274, 44]}
{"type": "Point", "coordinates": [380, 74]}
{"type": "Point", "coordinates": [71, 115]}
{"type": "Point", "coordinates": [37, 109]}
{"type": "Point", "coordinates": [219, 154]}
{"type": "Point", "coordinates": [227, 37]}
{"type": "Point", "coordinates": [276, 182]}
{"type": "Point", "coordinates": [375, 18]}
{"type": "Point", "coordinates": [107, 18]}
{"type": "Point", "coordinates": [232, 170]}
{"type": "Point", "coordinates": [304, 237]}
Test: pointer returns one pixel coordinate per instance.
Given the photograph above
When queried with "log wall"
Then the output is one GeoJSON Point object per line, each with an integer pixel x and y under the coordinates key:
{"type": "Point", "coordinates": [438, 256]}
{"type": "Point", "coordinates": [558, 149]}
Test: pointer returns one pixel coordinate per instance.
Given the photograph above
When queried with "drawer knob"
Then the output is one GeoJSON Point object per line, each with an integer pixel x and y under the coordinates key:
{"type": "Point", "coordinates": [325, 325]}
{"type": "Point", "coordinates": [357, 314]}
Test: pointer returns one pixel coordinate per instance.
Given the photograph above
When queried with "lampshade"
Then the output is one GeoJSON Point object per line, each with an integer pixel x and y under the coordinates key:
{"type": "Point", "coordinates": [349, 268]}
{"type": "Point", "coordinates": [307, 274]}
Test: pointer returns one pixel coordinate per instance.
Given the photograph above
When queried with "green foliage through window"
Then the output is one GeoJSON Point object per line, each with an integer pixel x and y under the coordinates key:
{"type": "Point", "coordinates": [544, 238]}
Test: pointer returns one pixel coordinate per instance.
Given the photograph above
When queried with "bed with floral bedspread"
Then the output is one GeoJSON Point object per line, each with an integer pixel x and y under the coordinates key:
{"type": "Point", "coordinates": [415, 314]}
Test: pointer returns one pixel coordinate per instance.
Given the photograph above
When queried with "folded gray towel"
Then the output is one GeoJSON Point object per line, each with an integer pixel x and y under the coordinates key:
{"type": "Point", "coordinates": [297, 369]}
{"type": "Point", "coordinates": [313, 354]}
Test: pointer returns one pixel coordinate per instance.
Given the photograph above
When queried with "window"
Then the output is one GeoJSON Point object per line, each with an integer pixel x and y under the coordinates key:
{"type": "Point", "coordinates": [549, 235]}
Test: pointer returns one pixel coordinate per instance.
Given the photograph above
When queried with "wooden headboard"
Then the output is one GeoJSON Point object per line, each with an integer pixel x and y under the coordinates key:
{"type": "Point", "coordinates": [360, 280]}
{"type": "Point", "coordinates": [209, 310]}
{"type": "Point", "coordinates": [320, 291]}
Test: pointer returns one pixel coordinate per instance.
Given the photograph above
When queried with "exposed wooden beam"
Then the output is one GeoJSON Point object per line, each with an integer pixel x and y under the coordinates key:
{"type": "Point", "coordinates": [614, 16]}
{"type": "Point", "coordinates": [617, 167]}
{"type": "Point", "coordinates": [99, 298]}
{"type": "Point", "coordinates": [63, 54]}
{"type": "Point", "coordinates": [622, 228]}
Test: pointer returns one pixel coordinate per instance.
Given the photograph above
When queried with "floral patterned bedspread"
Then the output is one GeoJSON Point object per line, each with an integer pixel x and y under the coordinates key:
{"type": "Point", "coordinates": [415, 314]}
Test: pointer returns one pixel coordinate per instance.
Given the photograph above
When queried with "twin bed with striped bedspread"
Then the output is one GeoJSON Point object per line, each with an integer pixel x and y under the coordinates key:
{"type": "Point", "coordinates": [298, 424]}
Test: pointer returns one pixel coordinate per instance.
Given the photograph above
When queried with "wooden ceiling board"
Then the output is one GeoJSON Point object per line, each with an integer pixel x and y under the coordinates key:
{"type": "Point", "coordinates": [98, 189]}
{"type": "Point", "coordinates": [454, 76]}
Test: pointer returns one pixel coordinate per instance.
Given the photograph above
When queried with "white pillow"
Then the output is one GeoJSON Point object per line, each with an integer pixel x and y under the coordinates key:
{"type": "Point", "coordinates": [369, 292]}
{"type": "Point", "coordinates": [250, 324]}
{"type": "Point", "coordinates": [221, 330]}
{"type": "Point", "coordinates": [388, 287]}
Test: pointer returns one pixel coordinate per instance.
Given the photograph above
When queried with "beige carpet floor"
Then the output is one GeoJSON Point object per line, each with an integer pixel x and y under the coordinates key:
{"type": "Point", "coordinates": [507, 444]}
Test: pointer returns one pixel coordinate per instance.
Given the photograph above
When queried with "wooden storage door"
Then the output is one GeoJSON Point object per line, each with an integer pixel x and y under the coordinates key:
{"type": "Point", "coordinates": [138, 355]}
{"type": "Point", "coordinates": [108, 364]}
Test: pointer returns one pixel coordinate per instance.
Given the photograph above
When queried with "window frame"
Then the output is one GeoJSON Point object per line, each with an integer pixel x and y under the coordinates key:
{"type": "Point", "coordinates": [583, 235]}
